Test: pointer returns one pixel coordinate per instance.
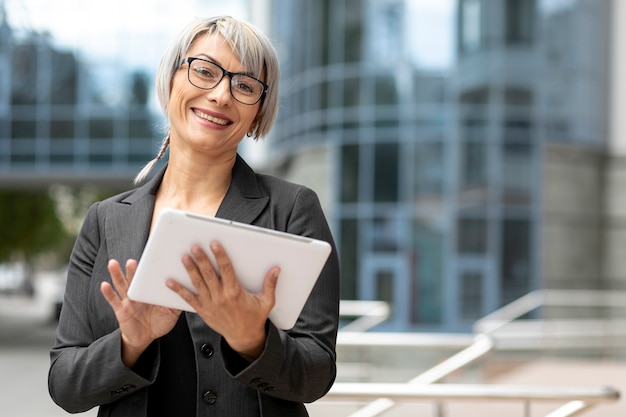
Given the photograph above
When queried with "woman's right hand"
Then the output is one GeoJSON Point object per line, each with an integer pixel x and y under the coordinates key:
{"type": "Point", "coordinates": [140, 323]}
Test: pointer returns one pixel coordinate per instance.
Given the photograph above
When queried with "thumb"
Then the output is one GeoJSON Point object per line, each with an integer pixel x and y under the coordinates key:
{"type": "Point", "coordinates": [269, 286]}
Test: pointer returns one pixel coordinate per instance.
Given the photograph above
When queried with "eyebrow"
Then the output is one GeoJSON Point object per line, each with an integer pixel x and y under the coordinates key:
{"type": "Point", "coordinates": [215, 61]}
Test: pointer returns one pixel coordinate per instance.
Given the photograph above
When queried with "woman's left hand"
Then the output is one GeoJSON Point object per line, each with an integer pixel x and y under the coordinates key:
{"type": "Point", "coordinates": [224, 305]}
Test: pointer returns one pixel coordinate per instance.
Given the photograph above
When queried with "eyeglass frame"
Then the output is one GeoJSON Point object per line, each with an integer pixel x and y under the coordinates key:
{"type": "Point", "coordinates": [225, 72]}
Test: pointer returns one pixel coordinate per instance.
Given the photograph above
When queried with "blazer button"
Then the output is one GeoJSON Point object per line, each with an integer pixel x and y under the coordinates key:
{"type": "Point", "coordinates": [207, 350]}
{"type": "Point", "coordinates": [210, 397]}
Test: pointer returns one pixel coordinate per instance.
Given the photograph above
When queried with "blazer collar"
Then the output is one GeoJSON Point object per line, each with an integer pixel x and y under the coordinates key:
{"type": "Point", "coordinates": [245, 199]}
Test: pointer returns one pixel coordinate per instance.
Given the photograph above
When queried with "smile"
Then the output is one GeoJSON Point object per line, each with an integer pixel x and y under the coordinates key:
{"type": "Point", "coordinates": [215, 120]}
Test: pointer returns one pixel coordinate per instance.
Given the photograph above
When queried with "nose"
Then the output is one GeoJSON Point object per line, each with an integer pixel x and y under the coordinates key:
{"type": "Point", "coordinates": [221, 92]}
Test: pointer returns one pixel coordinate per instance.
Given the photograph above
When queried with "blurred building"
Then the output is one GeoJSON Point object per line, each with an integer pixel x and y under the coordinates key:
{"type": "Point", "coordinates": [58, 120]}
{"type": "Point", "coordinates": [454, 192]}
{"type": "Point", "coordinates": [451, 190]}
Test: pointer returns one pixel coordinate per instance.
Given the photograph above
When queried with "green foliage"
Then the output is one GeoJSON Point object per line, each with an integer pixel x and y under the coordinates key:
{"type": "Point", "coordinates": [30, 225]}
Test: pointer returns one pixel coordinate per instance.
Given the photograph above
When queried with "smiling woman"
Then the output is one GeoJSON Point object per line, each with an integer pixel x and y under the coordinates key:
{"type": "Point", "coordinates": [217, 84]}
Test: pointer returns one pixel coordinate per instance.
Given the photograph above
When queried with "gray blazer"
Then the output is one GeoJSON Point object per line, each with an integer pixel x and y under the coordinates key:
{"type": "Point", "coordinates": [297, 366]}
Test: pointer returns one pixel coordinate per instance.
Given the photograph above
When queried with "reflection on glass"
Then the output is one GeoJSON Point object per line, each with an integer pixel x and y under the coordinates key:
{"type": "Point", "coordinates": [471, 296]}
{"type": "Point", "coordinates": [515, 259]}
{"type": "Point", "coordinates": [349, 181]}
{"type": "Point", "coordinates": [386, 172]}
{"type": "Point", "coordinates": [349, 258]}
{"type": "Point", "coordinates": [426, 306]}
{"type": "Point", "coordinates": [472, 236]}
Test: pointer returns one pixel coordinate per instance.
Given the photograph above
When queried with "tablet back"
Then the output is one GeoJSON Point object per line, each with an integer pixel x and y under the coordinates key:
{"type": "Point", "coordinates": [253, 251]}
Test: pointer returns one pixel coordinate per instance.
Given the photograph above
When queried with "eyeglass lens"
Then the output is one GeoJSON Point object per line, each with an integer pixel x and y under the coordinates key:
{"type": "Point", "coordinates": [206, 75]}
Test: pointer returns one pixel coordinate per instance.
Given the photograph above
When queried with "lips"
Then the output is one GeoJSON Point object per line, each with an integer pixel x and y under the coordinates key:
{"type": "Point", "coordinates": [211, 118]}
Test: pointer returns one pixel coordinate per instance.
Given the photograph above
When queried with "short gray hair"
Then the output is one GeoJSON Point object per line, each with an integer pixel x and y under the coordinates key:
{"type": "Point", "coordinates": [254, 50]}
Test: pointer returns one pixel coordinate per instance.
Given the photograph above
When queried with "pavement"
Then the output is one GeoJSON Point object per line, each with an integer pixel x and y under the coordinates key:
{"type": "Point", "coordinates": [27, 326]}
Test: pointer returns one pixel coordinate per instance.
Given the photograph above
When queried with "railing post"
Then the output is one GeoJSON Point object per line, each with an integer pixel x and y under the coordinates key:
{"type": "Point", "coordinates": [439, 409]}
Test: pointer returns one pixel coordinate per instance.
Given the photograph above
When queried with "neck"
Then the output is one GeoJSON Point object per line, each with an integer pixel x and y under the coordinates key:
{"type": "Point", "coordinates": [195, 186]}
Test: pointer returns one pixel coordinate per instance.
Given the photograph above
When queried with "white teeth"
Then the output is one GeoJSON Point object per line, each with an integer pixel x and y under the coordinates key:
{"type": "Point", "coordinates": [210, 118]}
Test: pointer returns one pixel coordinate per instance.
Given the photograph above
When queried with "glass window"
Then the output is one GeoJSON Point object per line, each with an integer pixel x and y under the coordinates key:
{"type": "Point", "coordinates": [353, 31]}
{"type": "Point", "coordinates": [429, 169]}
{"type": "Point", "coordinates": [351, 92]}
{"type": "Point", "coordinates": [24, 150]}
{"type": "Point", "coordinates": [472, 236]}
{"type": "Point", "coordinates": [471, 295]}
{"type": "Point", "coordinates": [101, 128]}
{"type": "Point", "coordinates": [471, 26]}
{"type": "Point", "coordinates": [520, 20]}
{"type": "Point", "coordinates": [473, 173]}
{"type": "Point", "coordinates": [25, 62]}
{"type": "Point", "coordinates": [62, 151]}
{"type": "Point", "coordinates": [515, 269]}
{"type": "Point", "coordinates": [426, 304]}
{"type": "Point", "coordinates": [385, 233]}
{"type": "Point", "coordinates": [386, 92]}
{"type": "Point", "coordinates": [349, 173]}
{"type": "Point", "coordinates": [100, 151]}
{"type": "Point", "coordinates": [384, 286]}
{"type": "Point", "coordinates": [140, 127]}
{"type": "Point", "coordinates": [517, 177]}
{"type": "Point", "coordinates": [386, 172]}
{"type": "Point", "coordinates": [23, 129]}
{"type": "Point", "coordinates": [349, 258]}
{"type": "Point", "coordinates": [64, 78]}
{"type": "Point", "coordinates": [61, 129]}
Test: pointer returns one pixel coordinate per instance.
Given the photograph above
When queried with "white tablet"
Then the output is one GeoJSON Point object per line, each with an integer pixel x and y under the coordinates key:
{"type": "Point", "coordinates": [252, 250]}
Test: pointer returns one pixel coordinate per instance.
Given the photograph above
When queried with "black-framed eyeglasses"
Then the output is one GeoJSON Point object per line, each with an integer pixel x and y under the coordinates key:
{"type": "Point", "coordinates": [207, 75]}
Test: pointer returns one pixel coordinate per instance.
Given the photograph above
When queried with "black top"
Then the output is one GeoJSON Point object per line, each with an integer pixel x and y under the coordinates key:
{"type": "Point", "coordinates": [174, 392]}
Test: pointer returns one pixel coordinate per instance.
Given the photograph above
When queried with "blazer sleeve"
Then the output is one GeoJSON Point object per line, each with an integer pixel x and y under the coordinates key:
{"type": "Point", "coordinates": [300, 364]}
{"type": "Point", "coordinates": [86, 369]}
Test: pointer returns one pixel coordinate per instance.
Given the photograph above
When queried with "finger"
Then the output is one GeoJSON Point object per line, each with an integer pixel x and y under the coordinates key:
{"type": "Point", "coordinates": [131, 268]}
{"type": "Point", "coordinates": [191, 298]}
{"type": "Point", "coordinates": [117, 277]}
{"type": "Point", "coordinates": [199, 278]}
{"type": "Point", "coordinates": [268, 293]}
{"type": "Point", "coordinates": [210, 276]}
{"type": "Point", "coordinates": [225, 266]}
{"type": "Point", "coordinates": [109, 294]}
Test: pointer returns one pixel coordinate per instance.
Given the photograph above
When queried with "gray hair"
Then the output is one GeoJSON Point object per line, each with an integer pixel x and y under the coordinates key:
{"type": "Point", "coordinates": [251, 47]}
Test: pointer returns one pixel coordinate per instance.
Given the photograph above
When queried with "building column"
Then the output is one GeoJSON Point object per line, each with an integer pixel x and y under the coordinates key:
{"type": "Point", "coordinates": [614, 261]}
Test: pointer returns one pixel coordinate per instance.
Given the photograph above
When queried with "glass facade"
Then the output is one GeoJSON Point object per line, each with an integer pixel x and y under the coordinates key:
{"type": "Point", "coordinates": [440, 182]}
{"type": "Point", "coordinates": [435, 174]}
{"type": "Point", "coordinates": [57, 125]}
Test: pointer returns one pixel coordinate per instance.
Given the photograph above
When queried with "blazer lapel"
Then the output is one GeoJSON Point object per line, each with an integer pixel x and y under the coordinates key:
{"type": "Point", "coordinates": [128, 221]}
{"type": "Point", "coordinates": [245, 200]}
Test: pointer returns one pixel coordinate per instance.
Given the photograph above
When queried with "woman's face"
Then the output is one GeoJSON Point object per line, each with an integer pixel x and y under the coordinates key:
{"type": "Point", "coordinates": [209, 121]}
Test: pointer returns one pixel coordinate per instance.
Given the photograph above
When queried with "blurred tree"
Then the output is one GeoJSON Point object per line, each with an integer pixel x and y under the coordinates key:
{"type": "Point", "coordinates": [31, 226]}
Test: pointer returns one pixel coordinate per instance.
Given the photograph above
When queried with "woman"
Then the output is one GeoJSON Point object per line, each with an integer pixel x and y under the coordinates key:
{"type": "Point", "coordinates": [216, 84]}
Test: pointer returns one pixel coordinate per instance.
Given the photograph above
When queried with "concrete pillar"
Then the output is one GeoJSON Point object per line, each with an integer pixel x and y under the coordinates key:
{"type": "Point", "coordinates": [614, 261]}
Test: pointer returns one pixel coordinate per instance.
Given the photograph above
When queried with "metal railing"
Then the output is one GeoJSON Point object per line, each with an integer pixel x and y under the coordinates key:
{"type": "Point", "coordinates": [578, 398]}
{"type": "Point", "coordinates": [424, 387]}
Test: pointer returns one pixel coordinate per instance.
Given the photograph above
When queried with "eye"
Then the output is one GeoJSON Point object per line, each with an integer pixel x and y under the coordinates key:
{"type": "Point", "coordinates": [246, 85]}
{"type": "Point", "coordinates": [204, 71]}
